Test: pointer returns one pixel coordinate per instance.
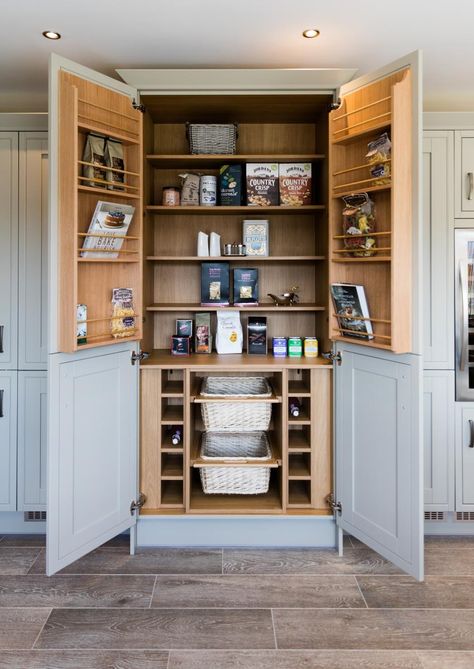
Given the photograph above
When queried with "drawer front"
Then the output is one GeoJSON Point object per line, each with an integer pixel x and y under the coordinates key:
{"type": "Point", "coordinates": [8, 423]}
{"type": "Point", "coordinates": [464, 173]}
{"type": "Point", "coordinates": [465, 457]}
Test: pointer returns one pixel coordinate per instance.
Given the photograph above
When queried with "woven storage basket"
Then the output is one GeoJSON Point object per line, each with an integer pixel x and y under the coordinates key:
{"type": "Point", "coordinates": [212, 137]}
{"type": "Point", "coordinates": [233, 447]}
{"type": "Point", "coordinates": [230, 416]}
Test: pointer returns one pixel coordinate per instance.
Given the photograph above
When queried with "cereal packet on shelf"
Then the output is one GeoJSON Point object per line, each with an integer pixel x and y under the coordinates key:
{"type": "Point", "coordinates": [378, 154]}
{"type": "Point", "coordinates": [358, 221]}
{"type": "Point", "coordinates": [123, 313]}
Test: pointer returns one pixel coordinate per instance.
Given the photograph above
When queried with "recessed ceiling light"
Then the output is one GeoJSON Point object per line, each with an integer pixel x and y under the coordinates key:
{"type": "Point", "coordinates": [311, 32]}
{"type": "Point", "coordinates": [50, 34]}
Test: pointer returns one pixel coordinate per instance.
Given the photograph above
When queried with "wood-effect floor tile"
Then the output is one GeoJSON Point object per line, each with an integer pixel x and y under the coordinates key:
{"type": "Point", "coordinates": [146, 561]}
{"type": "Point", "coordinates": [446, 660]}
{"type": "Point", "coordinates": [38, 540]}
{"type": "Point", "coordinates": [305, 561]}
{"type": "Point", "coordinates": [294, 659]}
{"type": "Point", "coordinates": [160, 629]}
{"type": "Point", "coordinates": [84, 659]}
{"type": "Point", "coordinates": [20, 627]}
{"type": "Point", "coordinates": [436, 592]}
{"type": "Point", "coordinates": [74, 591]}
{"type": "Point", "coordinates": [449, 542]}
{"type": "Point", "coordinates": [448, 562]}
{"type": "Point", "coordinates": [17, 560]}
{"type": "Point", "coordinates": [397, 629]}
{"type": "Point", "coordinates": [257, 591]}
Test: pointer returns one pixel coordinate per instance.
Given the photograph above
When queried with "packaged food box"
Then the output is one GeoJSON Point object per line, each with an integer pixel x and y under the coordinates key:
{"type": "Point", "coordinates": [257, 335]}
{"type": "Point", "coordinates": [262, 184]}
{"type": "Point", "coordinates": [295, 184]}
{"type": "Point", "coordinates": [230, 185]}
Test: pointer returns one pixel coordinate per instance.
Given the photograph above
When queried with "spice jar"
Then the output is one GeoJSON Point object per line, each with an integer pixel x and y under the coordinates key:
{"type": "Point", "coordinates": [171, 196]}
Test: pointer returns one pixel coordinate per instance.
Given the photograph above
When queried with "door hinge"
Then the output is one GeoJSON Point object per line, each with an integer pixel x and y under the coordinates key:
{"type": "Point", "coordinates": [336, 102]}
{"type": "Point", "coordinates": [137, 357]}
{"type": "Point", "coordinates": [139, 107]}
{"type": "Point", "coordinates": [136, 505]}
{"type": "Point", "coordinates": [331, 502]}
{"type": "Point", "coordinates": [333, 357]}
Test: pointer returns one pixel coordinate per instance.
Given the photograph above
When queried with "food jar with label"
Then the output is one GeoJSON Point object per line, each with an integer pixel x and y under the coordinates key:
{"type": "Point", "coordinates": [171, 196]}
{"type": "Point", "coordinates": [208, 191]}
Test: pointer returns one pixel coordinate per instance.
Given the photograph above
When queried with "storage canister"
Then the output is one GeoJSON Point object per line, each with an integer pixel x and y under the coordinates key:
{"type": "Point", "coordinates": [208, 191]}
{"type": "Point", "coordinates": [310, 347]}
{"type": "Point", "coordinates": [279, 347]}
{"type": "Point", "coordinates": [171, 196]}
{"type": "Point", "coordinates": [295, 347]}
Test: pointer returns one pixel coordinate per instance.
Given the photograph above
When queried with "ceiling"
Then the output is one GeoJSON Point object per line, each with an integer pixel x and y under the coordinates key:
{"type": "Point", "coordinates": [366, 34]}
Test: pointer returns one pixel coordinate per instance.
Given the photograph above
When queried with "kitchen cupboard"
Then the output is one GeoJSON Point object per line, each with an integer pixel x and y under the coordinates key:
{"type": "Point", "coordinates": [8, 426]}
{"type": "Point", "coordinates": [290, 121]}
{"type": "Point", "coordinates": [464, 173]}
{"type": "Point", "coordinates": [464, 456]}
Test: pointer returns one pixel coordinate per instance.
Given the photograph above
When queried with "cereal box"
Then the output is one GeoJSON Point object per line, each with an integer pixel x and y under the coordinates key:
{"type": "Point", "coordinates": [295, 184]}
{"type": "Point", "coordinates": [262, 184]}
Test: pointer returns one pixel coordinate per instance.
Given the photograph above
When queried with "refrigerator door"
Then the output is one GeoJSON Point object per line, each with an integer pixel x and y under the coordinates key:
{"type": "Point", "coordinates": [464, 283]}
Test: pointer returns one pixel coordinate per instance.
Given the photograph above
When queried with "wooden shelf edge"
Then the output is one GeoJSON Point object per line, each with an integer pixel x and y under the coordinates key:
{"type": "Point", "coordinates": [276, 209]}
{"type": "Point", "coordinates": [360, 134]}
{"type": "Point", "coordinates": [182, 160]}
{"type": "Point", "coordinates": [261, 307]}
{"type": "Point", "coordinates": [255, 259]}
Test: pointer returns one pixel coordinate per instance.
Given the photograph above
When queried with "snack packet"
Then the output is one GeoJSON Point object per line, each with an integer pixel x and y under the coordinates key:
{"type": "Point", "coordinates": [358, 221]}
{"type": "Point", "coordinates": [123, 313]}
{"type": "Point", "coordinates": [378, 155]}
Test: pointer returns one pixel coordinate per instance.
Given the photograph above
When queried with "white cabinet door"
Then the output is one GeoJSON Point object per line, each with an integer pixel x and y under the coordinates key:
{"type": "Point", "coordinates": [8, 423]}
{"type": "Point", "coordinates": [8, 249]}
{"type": "Point", "coordinates": [33, 248]}
{"type": "Point", "coordinates": [438, 427]}
{"type": "Point", "coordinates": [438, 238]}
{"type": "Point", "coordinates": [32, 412]}
{"type": "Point", "coordinates": [464, 456]}
{"type": "Point", "coordinates": [464, 173]}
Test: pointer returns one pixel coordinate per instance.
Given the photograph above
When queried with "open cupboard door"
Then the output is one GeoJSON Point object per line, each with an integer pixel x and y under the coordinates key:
{"type": "Point", "coordinates": [378, 421]}
{"type": "Point", "coordinates": [92, 381]}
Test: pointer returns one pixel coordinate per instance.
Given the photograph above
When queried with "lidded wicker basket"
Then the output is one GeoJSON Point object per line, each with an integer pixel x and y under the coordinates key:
{"type": "Point", "coordinates": [212, 137]}
{"type": "Point", "coordinates": [228, 416]}
{"type": "Point", "coordinates": [234, 447]}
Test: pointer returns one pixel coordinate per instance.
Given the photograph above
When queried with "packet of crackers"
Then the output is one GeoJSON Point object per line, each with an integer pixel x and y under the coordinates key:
{"type": "Point", "coordinates": [379, 157]}
{"type": "Point", "coordinates": [123, 313]}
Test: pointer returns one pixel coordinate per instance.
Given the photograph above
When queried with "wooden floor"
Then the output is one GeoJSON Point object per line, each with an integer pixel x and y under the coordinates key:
{"type": "Point", "coordinates": [236, 609]}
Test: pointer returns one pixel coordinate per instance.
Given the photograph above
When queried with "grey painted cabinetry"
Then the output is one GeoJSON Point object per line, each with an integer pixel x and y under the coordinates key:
{"type": "Point", "coordinates": [23, 314]}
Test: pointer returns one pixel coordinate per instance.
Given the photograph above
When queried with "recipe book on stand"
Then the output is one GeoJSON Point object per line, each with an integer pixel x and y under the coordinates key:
{"type": "Point", "coordinates": [350, 305]}
{"type": "Point", "coordinates": [107, 230]}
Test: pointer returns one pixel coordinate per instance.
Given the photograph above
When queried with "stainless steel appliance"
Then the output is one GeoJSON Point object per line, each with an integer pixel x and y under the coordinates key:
{"type": "Point", "coordinates": [464, 305]}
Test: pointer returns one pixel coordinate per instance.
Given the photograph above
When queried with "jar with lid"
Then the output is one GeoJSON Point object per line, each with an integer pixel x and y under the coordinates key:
{"type": "Point", "coordinates": [208, 190]}
{"type": "Point", "coordinates": [171, 196]}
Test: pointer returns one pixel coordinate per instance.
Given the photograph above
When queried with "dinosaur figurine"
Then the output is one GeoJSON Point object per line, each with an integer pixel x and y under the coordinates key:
{"type": "Point", "coordinates": [289, 298]}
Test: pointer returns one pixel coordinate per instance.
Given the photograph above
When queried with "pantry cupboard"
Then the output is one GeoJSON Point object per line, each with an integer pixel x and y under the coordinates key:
{"type": "Point", "coordinates": [355, 449]}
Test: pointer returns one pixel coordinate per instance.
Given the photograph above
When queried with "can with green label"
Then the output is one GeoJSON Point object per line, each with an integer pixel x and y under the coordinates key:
{"type": "Point", "coordinates": [295, 347]}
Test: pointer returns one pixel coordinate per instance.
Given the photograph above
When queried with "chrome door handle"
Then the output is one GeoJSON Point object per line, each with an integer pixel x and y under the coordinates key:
{"type": "Point", "coordinates": [471, 434]}
{"type": "Point", "coordinates": [1, 403]}
{"type": "Point", "coordinates": [2, 327]}
{"type": "Point", "coordinates": [470, 179]}
{"type": "Point", "coordinates": [464, 314]}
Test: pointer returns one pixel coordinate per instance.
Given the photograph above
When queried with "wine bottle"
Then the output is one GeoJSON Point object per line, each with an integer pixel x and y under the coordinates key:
{"type": "Point", "coordinates": [176, 436]}
{"type": "Point", "coordinates": [295, 408]}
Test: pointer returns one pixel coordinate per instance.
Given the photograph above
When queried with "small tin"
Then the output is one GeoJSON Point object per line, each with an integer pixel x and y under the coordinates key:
{"type": "Point", "coordinates": [280, 347]}
{"type": "Point", "coordinates": [171, 196]}
{"type": "Point", "coordinates": [208, 191]}
{"type": "Point", "coordinates": [81, 324]}
{"type": "Point", "coordinates": [310, 347]}
{"type": "Point", "coordinates": [295, 347]}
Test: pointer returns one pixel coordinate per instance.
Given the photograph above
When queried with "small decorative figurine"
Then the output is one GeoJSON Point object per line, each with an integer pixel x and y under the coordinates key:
{"type": "Point", "coordinates": [288, 298]}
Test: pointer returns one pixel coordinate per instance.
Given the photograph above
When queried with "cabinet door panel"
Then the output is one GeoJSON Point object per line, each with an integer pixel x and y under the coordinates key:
{"type": "Point", "coordinates": [464, 173]}
{"type": "Point", "coordinates": [464, 457]}
{"type": "Point", "coordinates": [33, 259]}
{"type": "Point", "coordinates": [438, 232]}
{"type": "Point", "coordinates": [438, 425]}
{"type": "Point", "coordinates": [8, 423]}
{"type": "Point", "coordinates": [8, 249]}
{"type": "Point", "coordinates": [32, 412]}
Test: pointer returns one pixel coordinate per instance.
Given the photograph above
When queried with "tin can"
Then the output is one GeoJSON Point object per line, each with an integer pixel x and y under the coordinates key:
{"type": "Point", "coordinates": [171, 196]}
{"type": "Point", "coordinates": [310, 347]}
{"type": "Point", "coordinates": [279, 347]}
{"type": "Point", "coordinates": [208, 191]}
{"type": "Point", "coordinates": [295, 347]}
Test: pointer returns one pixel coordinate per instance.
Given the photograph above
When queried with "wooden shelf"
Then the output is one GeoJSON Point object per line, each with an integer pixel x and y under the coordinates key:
{"type": "Point", "coordinates": [173, 389]}
{"type": "Point", "coordinates": [104, 341]}
{"type": "Point", "coordinates": [172, 415]}
{"type": "Point", "coordinates": [368, 189]}
{"type": "Point", "coordinates": [274, 399]}
{"type": "Point", "coordinates": [298, 389]}
{"type": "Point", "coordinates": [302, 419]}
{"type": "Point", "coordinates": [83, 126]}
{"type": "Point", "coordinates": [111, 194]}
{"type": "Point", "coordinates": [266, 306]}
{"type": "Point", "coordinates": [362, 133]}
{"type": "Point", "coordinates": [193, 161]}
{"type": "Point", "coordinates": [238, 259]}
{"type": "Point", "coordinates": [218, 211]}
{"type": "Point", "coordinates": [299, 468]}
{"type": "Point", "coordinates": [172, 469]}
{"type": "Point", "coordinates": [96, 261]}
{"type": "Point", "coordinates": [270, 502]}
{"type": "Point", "coordinates": [367, 259]}
{"type": "Point", "coordinates": [298, 441]}
{"type": "Point", "coordinates": [299, 494]}
{"type": "Point", "coordinates": [162, 359]}
{"type": "Point", "coordinates": [361, 342]}
{"type": "Point", "coordinates": [172, 494]}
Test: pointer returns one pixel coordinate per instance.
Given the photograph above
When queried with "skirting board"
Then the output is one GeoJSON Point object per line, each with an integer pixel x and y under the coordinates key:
{"type": "Point", "coordinates": [222, 531]}
{"type": "Point", "coordinates": [12, 522]}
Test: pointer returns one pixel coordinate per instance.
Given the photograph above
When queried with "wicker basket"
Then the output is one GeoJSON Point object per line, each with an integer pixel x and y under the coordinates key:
{"type": "Point", "coordinates": [229, 416]}
{"type": "Point", "coordinates": [212, 137]}
{"type": "Point", "coordinates": [234, 447]}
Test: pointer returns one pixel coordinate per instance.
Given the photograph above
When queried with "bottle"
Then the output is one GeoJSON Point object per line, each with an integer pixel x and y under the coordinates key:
{"type": "Point", "coordinates": [294, 408]}
{"type": "Point", "coordinates": [176, 436]}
